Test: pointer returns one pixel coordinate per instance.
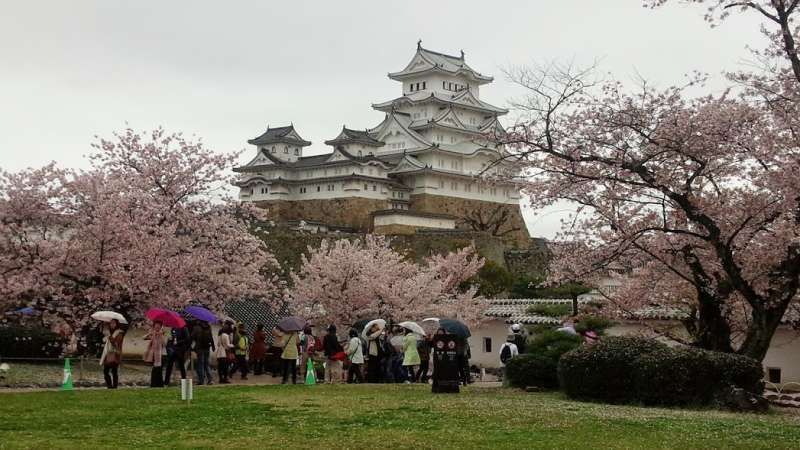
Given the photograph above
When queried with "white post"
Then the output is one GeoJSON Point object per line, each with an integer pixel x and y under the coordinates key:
{"type": "Point", "coordinates": [186, 390]}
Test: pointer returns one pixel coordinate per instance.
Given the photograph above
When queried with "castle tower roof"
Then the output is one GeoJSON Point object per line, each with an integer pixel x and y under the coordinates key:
{"type": "Point", "coordinates": [348, 136]}
{"type": "Point", "coordinates": [280, 135]}
{"type": "Point", "coordinates": [425, 61]}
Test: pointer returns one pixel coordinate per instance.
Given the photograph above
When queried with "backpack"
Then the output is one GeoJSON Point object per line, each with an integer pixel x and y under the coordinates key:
{"type": "Point", "coordinates": [505, 353]}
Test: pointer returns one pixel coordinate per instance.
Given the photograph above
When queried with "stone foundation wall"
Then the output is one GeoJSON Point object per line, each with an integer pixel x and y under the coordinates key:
{"type": "Point", "coordinates": [395, 229]}
{"type": "Point", "coordinates": [354, 212]}
{"type": "Point", "coordinates": [461, 207]}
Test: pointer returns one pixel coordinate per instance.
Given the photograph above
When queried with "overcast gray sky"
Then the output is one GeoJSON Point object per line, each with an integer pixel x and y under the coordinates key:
{"type": "Point", "coordinates": [70, 70]}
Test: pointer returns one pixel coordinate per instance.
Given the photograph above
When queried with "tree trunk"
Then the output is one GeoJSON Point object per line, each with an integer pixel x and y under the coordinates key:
{"type": "Point", "coordinates": [574, 305]}
{"type": "Point", "coordinates": [759, 334]}
{"type": "Point", "coordinates": [712, 330]}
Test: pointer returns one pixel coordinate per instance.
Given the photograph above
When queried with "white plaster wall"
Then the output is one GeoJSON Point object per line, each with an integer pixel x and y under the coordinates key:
{"type": "Point", "coordinates": [497, 331]}
{"type": "Point", "coordinates": [281, 151]}
{"type": "Point", "coordinates": [436, 184]}
{"type": "Point", "coordinates": [784, 353]}
{"type": "Point", "coordinates": [414, 221]}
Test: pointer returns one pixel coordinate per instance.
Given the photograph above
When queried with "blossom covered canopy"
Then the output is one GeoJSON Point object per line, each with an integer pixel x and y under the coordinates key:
{"type": "Point", "coordinates": [140, 228]}
{"type": "Point", "coordinates": [343, 281]}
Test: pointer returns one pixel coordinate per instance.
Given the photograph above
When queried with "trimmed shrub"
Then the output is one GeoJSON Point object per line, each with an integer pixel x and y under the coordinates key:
{"type": "Point", "coordinates": [592, 323]}
{"type": "Point", "coordinates": [637, 370]}
{"type": "Point", "coordinates": [532, 369]}
{"type": "Point", "coordinates": [539, 365]}
{"type": "Point", "coordinates": [552, 344]}
{"type": "Point", "coordinates": [17, 341]}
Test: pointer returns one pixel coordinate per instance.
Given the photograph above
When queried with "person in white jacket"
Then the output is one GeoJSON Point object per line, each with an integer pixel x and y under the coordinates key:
{"type": "Point", "coordinates": [508, 351]}
{"type": "Point", "coordinates": [223, 352]}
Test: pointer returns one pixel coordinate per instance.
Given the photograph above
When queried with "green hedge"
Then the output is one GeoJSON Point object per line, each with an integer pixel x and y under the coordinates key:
{"type": "Point", "coordinates": [539, 365]}
{"type": "Point", "coordinates": [17, 341]}
{"type": "Point", "coordinates": [637, 370]}
{"type": "Point", "coordinates": [530, 369]}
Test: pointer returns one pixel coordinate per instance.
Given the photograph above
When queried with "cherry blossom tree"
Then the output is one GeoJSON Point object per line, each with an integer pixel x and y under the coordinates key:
{"type": "Point", "coordinates": [343, 281]}
{"type": "Point", "coordinates": [694, 199]}
{"type": "Point", "coordinates": [144, 226]}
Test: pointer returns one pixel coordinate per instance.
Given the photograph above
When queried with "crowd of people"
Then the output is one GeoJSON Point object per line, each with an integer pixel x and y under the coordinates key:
{"type": "Point", "coordinates": [376, 355]}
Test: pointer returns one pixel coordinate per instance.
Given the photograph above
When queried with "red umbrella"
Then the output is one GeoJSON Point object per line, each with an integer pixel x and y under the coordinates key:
{"type": "Point", "coordinates": [168, 318]}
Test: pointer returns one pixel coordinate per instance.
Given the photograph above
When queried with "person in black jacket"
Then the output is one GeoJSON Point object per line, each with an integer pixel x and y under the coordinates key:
{"type": "Point", "coordinates": [333, 350]}
{"type": "Point", "coordinates": [177, 347]}
{"type": "Point", "coordinates": [203, 346]}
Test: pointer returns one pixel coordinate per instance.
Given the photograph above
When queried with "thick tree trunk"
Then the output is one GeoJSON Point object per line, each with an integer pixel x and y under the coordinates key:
{"type": "Point", "coordinates": [712, 329]}
{"type": "Point", "coordinates": [759, 334]}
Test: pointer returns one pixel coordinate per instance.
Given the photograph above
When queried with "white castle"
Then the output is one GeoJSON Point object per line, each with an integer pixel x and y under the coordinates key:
{"type": "Point", "coordinates": [426, 165]}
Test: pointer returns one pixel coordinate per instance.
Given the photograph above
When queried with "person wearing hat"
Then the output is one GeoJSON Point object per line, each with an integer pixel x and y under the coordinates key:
{"type": "Point", "coordinates": [519, 337]}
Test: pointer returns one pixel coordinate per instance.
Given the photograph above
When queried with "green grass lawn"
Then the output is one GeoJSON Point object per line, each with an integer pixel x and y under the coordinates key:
{"type": "Point", "coordinates": [367, 416]}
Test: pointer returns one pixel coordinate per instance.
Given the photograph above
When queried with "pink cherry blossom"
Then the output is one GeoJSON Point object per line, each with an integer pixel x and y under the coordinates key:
{"type": "Point", "coordinates": [693, 202]}
{"type": "Point", "coordinates": [343, 281]}
{"type": "Point", "coordinates": [142, 227]}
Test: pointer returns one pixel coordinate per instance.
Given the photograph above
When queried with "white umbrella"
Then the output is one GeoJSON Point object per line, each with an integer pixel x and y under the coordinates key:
{"type": "Point", "coordinates": [431, 319]}
{"type": "Point", "coordinates": [108, 316]}
{"type": "Point", "coordinates": [413, 326]}
{"type": "Point", "coordinates": [379, 322]}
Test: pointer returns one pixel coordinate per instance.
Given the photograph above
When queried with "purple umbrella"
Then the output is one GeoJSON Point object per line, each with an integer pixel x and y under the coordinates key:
{"type": "Point", "coordinates": [291, 323]}
{"type": "Point", "coordinates": [200, 313]}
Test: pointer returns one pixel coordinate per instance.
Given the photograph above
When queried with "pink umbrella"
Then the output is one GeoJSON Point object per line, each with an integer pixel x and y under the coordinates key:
{"type": "Point", "coordinates": [168, 318]}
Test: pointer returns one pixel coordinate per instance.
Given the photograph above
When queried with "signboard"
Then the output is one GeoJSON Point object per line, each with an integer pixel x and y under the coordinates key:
{"type": "Point", "coordinates": [445, 363]}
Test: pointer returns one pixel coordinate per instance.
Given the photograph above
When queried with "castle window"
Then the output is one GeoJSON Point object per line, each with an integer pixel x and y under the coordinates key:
{"type": "Point", "coordinates": [423, 85]}
{"type": "Point", "coordinates": [296, 152]}
{"type": "Point", "coordinates": [318, 189]}
{"type": "Point", "coordinates": [441, 184]}
{"type": "Point", "coordinates": [467, 188]}
{"type": "Point", "coordinates": [374, 187]}
{"type": "Point", "coordinates": [366, 188]}
{"type": "Point", "coordinates": [359, 153]}
{"type": "Point", "coordinates": [450, 86]}
{"type": "Point", "coordinates": [273, 149]}
{"type": "Point", "coordinates": [443, 85]}
{"type": "Point", "coordinates": [286, 149]}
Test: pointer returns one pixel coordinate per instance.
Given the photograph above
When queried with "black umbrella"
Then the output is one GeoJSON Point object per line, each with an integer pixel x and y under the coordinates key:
{"type": "Point", "coordinates": [291, 323]}
{"type": "Point", "coordinates": [455, 327]}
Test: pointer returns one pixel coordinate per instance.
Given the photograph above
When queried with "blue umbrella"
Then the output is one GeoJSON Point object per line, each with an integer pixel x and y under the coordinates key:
{"type": "Point", "coordinates": [200, 313]}
{"type": "Point", "coordinates": [26, 311]}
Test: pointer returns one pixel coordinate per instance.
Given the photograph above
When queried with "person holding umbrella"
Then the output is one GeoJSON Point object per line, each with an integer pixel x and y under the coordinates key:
{"type": "Point", "coordinates": [410, 355]}
{"type": "Point", "coordinates": [154, 353]}
{"type": "Point", "coordinates": [112, 353]}
{"type": "Point", "coordinates": [289, 357]}
{"type": "Point", "coordinates": [373, 333]}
